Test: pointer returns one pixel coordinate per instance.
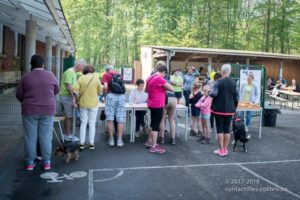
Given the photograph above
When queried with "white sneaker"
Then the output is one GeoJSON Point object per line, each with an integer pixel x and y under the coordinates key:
{"type": "Point", "coordinates": [246, 129]}
{"type": "Point", "coordinates": [73, 138]}
{"type": "Point", "coordinates": [120, 143]}
{"type": "Point", "coordinates": [66, 138]}
{"type": "Point", "coordinates": [111, 142]}
{"type": "Point", "coordinates": [137, 134]}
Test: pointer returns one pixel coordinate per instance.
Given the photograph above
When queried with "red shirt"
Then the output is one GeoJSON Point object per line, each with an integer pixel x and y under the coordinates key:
{"type": "Point", "coordinates": [107, 79]}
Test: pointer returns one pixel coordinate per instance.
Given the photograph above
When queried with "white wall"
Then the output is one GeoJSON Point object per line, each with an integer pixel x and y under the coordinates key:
{"type": "Point", "coordinates": [147, 62]}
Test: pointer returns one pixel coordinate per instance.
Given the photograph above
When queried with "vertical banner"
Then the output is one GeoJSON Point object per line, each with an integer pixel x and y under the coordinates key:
{"type": "Point", "coordinates": [256, 81]}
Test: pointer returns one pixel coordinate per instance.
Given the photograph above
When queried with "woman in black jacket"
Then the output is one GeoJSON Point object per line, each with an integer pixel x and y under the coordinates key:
{"type": "Point", "coordinates": [225, 100]}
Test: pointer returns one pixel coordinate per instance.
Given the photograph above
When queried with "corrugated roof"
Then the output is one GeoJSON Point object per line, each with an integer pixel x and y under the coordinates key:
{"type": "Point", "coordinates": [231, 52]}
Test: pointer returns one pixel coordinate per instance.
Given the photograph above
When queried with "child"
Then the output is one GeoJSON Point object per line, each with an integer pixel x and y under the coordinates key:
{"type": "Point", "coordinates": [204, 105]}
{"type": "Point", "coordinates": [139, 96]}
{"type": "Point", "coordinates": [194, 98]}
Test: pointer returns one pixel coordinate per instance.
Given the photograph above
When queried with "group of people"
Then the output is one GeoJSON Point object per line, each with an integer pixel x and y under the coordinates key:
{"type": "Point", "coordinates": [216, 101]}
{"type": "Point", "coordinates": [281, 84]}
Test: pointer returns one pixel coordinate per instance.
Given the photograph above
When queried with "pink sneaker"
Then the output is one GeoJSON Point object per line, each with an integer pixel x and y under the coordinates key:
{"type": "Point", "coordinates": [225, 152]}
{"type": "Point", "coordinates": [30, 167]}
{"type": "Point", "coordinates": [148, 144]}
{"type": "Point", "coordinates": [157, 149]}
{"type": "Point", "coordinates": [47, 166]}
{"type": "Point", "coordinates": [219, 152]}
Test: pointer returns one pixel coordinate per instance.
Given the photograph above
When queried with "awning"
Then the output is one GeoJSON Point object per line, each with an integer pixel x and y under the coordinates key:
{"type": "Point", "coordinates": [49, 15]}
{"type": "Point", "coordinates": [201, 53]}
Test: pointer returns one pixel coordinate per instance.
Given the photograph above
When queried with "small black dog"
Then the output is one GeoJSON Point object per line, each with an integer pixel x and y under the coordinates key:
{"type": "Point", "coordinates": [70, 149]}
{"type": "Point", "coordinates": [239, 132]}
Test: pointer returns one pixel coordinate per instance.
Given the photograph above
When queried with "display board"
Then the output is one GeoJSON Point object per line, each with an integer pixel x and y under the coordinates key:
{"type": "Point", "coordinates": [257, 80]}
{"type": "Point", "coordinates": [127, 74]}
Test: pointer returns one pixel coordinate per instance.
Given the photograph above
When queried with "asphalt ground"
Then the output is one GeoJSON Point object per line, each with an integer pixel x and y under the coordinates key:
{"type": "Point", "coordinates": [189, 170]}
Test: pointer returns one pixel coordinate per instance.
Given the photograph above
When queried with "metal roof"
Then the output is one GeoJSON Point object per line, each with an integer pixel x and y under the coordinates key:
{"type": "Point", "coordinates": [48, 14]}
{"type": "Point", "coordinates": [230, 52]}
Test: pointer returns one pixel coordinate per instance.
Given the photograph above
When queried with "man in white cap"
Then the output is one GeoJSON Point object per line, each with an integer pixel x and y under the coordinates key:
{"type": "Point", "coordinates": [114, 108]}
{"type": "Point", "coordinates": [67, 98]}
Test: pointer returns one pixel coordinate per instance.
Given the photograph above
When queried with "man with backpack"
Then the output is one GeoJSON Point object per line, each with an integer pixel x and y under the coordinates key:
{"type": "Point", "coordinates": [114, 91]}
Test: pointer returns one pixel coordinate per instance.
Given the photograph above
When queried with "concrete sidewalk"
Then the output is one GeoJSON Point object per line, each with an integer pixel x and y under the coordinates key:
{"type": "Point", "coordinates": [188, 170]}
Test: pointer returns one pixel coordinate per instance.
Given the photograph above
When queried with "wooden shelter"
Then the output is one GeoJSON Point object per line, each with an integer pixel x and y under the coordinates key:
{"type": "Point", "coordinates": [285, 65]}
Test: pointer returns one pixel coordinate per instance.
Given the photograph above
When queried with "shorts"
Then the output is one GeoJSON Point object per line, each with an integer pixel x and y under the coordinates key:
{"type": "Point", "coordinates": [178, 95]}
{"type": "Point", "coordinates": [223, 124]}
{"type": "Point", "coordinates": [66, 101]}
{"type": "Point", "coordinates": [156, 116]}
{"type": "Point", "coordinates": [115, 106]}
{"type": "Point", "coordinates": [195, 111]}
{"type": "Point", "coordinates": [205, 116]}
{"type": "Point", "coordinates": [171, 106]}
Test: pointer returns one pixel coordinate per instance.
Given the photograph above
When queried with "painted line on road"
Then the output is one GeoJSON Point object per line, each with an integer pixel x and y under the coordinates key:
{"type": "Point", "coordinates": [112, 178]}
{"type": "Point", "coordinates": [268, 181]}
{"type": "Point", "coordinates": [183, 126]}
{"type": "Point", "coordinates": [91, 172]}
{"type": "Point", "coordinates": [91, 185]}
{"type": "Point", "coordinates": [195, 165]}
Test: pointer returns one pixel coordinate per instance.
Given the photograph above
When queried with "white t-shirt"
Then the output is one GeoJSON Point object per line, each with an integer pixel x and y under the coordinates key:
{"type": "Point", "coordinates": [138, 96]}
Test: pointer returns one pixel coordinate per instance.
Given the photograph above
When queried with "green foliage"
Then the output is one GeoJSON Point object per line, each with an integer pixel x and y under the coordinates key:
{"type": "Point", "coordinates": [112, 31]}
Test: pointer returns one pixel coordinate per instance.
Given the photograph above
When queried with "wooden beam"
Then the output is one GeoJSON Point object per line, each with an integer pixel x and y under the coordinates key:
{"type": "Point", "coordinates": [159, 54]}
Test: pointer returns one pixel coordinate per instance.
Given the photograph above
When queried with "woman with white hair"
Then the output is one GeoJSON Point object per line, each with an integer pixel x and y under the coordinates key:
{"type": "Point", "coordinates": [249, 94]}
{"type": "Point", "coordinates": [225, 100]}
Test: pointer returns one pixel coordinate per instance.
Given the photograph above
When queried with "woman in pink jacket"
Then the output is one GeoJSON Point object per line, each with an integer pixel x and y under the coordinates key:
{"type": "Point", "coordinates": [204, 105]}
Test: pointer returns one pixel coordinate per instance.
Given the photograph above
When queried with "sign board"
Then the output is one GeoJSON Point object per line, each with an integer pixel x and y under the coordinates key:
{"type": "Point", "coordinates": [257, 80]}
{"type": "Point", "coordinates": [127, 74]}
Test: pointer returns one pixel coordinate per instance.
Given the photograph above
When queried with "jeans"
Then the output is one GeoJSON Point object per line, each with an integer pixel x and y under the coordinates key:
{"type": "Point", "coordinates": [38, 127]}
{"type": "Point", "coordinates": [88, 115]}
{"type": "Point", "coordinates": [248, 116]}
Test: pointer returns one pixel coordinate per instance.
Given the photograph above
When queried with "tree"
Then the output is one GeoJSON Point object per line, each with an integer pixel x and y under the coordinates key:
{"type": "Point", "coordinates": [112, 31]}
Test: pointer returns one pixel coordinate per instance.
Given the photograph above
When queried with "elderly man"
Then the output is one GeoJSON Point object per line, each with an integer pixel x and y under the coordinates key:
{"type": "Point", "coordinates": [67, 97]}
{"type": "Point", "coordinates": [114, 107]}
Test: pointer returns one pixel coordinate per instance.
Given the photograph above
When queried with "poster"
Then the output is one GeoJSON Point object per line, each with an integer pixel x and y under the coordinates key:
{"type": "Point", "coordinates": [256, 81]}
{"type": "Point", "coordinates": [127, 74]}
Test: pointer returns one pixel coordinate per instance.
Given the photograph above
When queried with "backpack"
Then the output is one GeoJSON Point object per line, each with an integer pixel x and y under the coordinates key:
{"type": "Point", "coordinates": [117, 84]}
